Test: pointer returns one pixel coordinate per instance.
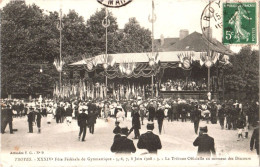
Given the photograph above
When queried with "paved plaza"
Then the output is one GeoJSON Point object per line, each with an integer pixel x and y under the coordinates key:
{"type": "Point", "coordinates": [177, 139]}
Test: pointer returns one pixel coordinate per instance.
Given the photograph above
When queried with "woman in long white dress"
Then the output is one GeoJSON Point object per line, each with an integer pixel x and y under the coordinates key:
{"type": "Point", "coordinates": [120, 116]}
{"type": "Point", "coordinates": [49, 114]}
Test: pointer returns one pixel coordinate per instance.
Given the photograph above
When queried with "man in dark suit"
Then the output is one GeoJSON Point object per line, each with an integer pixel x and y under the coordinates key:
{"type": "Point", "coordinates": [160, 116]}
{"type": "Point", "coordinates": [82, 122]}
{"type": "Point", "coordinates": [123, 145]}
{"type": "Point", "coordinates": [205, 143]}
{"type": "Point", "coordinates": [136, 124]}
{"type": "Point", "coordinates": [196, 118]}
{"type": "Point", "coordinates": [31, 119]}
{"type": "Point", "coordinates": [149, 140]}
{"type": "Point", "coordinates": [255, 140]}
{"type": "Point", "coordinates": [58, 113]}
{"type": "Point", "coordinates": [38, 120]}
{"type": "Point", "coordinates": [7, 115]}
{"type": "Point", "coordinates": [221, 116]}
{"type": "Point", "coordinates": [151, 111]}
{"type": "Point", "coordinates": [92, 120]}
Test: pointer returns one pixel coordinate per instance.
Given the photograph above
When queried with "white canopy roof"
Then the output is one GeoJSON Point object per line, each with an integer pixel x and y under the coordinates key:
{"type": "Point", "coordinates": [143, 57]}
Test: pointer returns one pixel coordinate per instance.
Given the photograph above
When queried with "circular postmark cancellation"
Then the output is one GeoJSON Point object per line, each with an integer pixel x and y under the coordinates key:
{"type": "Point", "coordinates": [239, 23]}
{"type": "Point", "coordinates": [114, 3]}
{"type": "Point", "coordinates": [211, 20]}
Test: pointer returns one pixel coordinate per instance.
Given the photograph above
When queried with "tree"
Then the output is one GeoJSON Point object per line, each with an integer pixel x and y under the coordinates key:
{"type": "Point", "coordinates": [243, 77]}
{"type": "Point", "coordinates": [30, 40]}
{"type": "Point", "coordinates": [97, 33]}
{"type": "Point", "coordinates": [135, 38]}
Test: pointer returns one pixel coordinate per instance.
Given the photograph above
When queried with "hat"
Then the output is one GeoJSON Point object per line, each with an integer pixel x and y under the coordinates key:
{"type": "Point", "coordinates": [204, 129]}
{"type": "Point", "coordinates": [135, 105]}
{"type": "Point", "coordinates": [119, 107]}
{"type": "Point", "coordinates": [124, 131]}
{"type": "Point", "coordinates": [150, 126]}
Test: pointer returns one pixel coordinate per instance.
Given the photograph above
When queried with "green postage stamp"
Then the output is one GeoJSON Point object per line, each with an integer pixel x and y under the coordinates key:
{"type": "Point", "coordinates": [239, 23]}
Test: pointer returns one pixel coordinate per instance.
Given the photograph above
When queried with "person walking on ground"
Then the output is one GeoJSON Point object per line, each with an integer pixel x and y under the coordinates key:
{"type": "Point", "coordinates": [68, 115]}
{"type": "Point", "coordinates": [92, 117]}
{"type": "Point", "coordinates": [142, 113]}
{"type": "Point", "coordinates": [160, 117]}
{"type": "Point", "coordinates": [183, 112]}
{"type": "Point", "coordinates": [151, 111]}
{"type": "Point", "coordinates": [149, 141]}
{"type": "Point", "coordinates": [175, 111]}
{"type": "Point", "coordinates": [170, 114]}
{"type": "Point", "coordinates": [49, 114]}
{"type": "Point", "coordinates": [221, 116]}
{"type": "Point", "coordinates": [205, 143]}
{"type": "Point", "coordinates": [58, 113]}
{"type": "Point", "coordinates": [254, 142]}
{"type": "Point", "coordinates": [38, 120]}
{"type": "Point", "coordinates": [7, 118]}
{"type": "Point", "coordinates": [30, 119]}
{"type": "Point", "coordinates": [62, 112]}
{"type": "Point", "coordinates": [196, 118]}
{"type": "Point", "coordinates": [136, 125]}
{"type": "Point", "coordinates": [240, 124]}
{"type": "Point", "coordinates": [82, 122]}
{"type": "Point", "coordinates": [123, 145]}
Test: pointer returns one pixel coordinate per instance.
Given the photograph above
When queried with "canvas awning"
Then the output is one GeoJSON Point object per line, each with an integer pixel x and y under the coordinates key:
{"type": "Point", "coordinates": [141, 57]}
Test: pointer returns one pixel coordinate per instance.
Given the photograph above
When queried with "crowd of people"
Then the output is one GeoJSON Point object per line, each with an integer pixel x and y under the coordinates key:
{"type": "Point", "coordinates": [180, 85]}
{"type": "Point", "coordinates": [231, 115]}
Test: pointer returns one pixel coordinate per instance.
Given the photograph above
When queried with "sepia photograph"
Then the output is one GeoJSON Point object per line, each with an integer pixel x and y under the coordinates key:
{"type": "Point", "coordinates": [129, 83]}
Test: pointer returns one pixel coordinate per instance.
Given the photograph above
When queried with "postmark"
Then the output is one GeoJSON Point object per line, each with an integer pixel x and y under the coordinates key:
{"type": "Point", "coordinates": [239, 23]}
{"type": "Point", "coordinates": [114, 3]}
{"type": "Point", "coordinates": [212, 20]}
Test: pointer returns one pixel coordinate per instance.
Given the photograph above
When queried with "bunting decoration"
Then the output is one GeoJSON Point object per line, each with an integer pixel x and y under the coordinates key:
{"type": "Point", "coordinates": [209, 58]}
{"type": "Point", "coordinates": [186, 59]}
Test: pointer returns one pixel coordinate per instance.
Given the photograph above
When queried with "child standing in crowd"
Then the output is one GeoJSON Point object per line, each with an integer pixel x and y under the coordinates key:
{"type": "Point", "coordinates": [240, 127]}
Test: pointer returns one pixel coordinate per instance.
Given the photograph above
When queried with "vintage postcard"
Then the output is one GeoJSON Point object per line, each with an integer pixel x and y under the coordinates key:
{"type": "Point", "coordinates": [129, 83]}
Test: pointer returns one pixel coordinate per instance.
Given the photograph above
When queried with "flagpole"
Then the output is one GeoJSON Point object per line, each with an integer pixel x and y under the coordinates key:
{"type": "Point", "coordinates": [152, 20]}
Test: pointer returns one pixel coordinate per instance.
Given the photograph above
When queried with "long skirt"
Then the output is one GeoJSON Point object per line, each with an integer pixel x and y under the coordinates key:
{"type": "Point", "coordinates": [49, 117]}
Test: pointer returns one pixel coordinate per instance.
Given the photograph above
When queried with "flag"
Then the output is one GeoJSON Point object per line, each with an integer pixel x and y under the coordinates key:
{"type": "Point", "coordinates": [143, 92]}
{"type": "Point", "coordinates": [101, 92]}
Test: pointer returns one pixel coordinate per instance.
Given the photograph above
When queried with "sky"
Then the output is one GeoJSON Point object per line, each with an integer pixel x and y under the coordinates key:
{"type": "Point", "coordinates": [172, 15]}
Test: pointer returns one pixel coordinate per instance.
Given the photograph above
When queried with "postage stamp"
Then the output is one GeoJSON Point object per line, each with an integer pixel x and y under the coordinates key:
{"type": "Point", "coordinates": [239, 23]}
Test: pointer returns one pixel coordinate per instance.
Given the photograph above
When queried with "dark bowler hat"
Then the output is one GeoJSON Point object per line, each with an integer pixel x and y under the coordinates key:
{"type": "Point", "coordinates": [204, 129]}
{"type": "Point", "coordinates": [150, 126]}
{"type": "Point", "coordinates": [124, 131]}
